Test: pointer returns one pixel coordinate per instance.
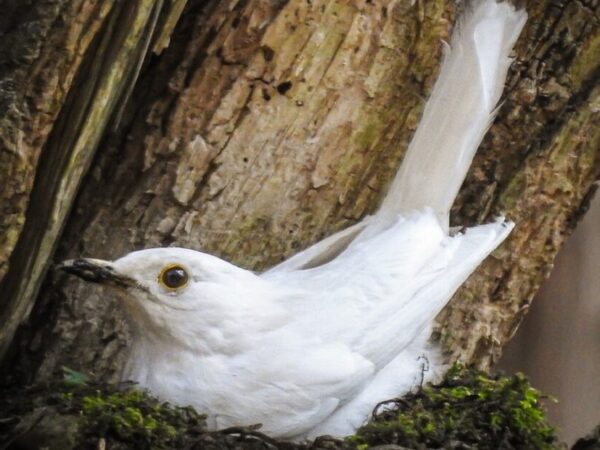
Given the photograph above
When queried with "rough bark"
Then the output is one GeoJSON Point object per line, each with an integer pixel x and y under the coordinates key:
{"type": "Point", "coordinates": [267, 125]}
{"type": "Point", "coordinates": [538, 166]}
{"type": "Point", "coordinates": [80, 89]}
{"type": "Point", "coordinates": [41, 48]}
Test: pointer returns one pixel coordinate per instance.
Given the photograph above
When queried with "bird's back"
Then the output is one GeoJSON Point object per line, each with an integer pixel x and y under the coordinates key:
{"type": "Point", "coordinates": [385, 287]}
{"type": "Point", "coordinates": [377, 301]}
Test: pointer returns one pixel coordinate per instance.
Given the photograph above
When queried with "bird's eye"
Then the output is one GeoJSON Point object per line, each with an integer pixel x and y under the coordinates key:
{"type": "Point", "coordinates": [173, 277]}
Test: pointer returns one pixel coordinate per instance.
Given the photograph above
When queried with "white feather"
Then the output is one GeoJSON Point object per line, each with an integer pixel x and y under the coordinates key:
{"type": "Point", "coordinates": [459, 111]}
{"type": "Point", "coordinates": [457, 115]}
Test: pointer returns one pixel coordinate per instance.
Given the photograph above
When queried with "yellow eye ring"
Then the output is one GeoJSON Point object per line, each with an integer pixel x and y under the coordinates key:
{"type": "Point", "coordinates": [173, 277]}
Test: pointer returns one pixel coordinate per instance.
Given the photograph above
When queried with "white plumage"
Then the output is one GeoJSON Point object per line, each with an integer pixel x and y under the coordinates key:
{"type": "Point", "coordinates": [312, 345]}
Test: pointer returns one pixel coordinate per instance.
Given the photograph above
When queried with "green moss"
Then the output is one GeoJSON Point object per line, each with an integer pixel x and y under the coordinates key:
{"type": "Point", "coordinates": [130, 416]}
{"type": "Point", "coordinates": [467, 410]}
{"type": "Point", "coordinates": [121, 415]}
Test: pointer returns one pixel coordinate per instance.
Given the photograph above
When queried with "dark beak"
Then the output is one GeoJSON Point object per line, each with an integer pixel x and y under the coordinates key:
{"type": "Point", "coordinates": [96, 271]}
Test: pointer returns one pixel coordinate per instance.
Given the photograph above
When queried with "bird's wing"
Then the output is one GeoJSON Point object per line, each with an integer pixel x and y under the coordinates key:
{"type": "Point", "coordinates": [371, 276]}
{"type": "Point", "coordinates": [382, 290]}
{"type": "Point", "coordinates": [429, 291]}
{"type": "Point", "coordinates": [401, 250]}
{"type": "Point", "coordinates": [299, 380]}
{"type": "Point", "coordinates": [374, 301]}
{"type": "Point", "coordinates": [406, 371]}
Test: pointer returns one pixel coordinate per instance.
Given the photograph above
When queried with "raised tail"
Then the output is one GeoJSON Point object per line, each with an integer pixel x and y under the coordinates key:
{"type": "Point", "coordinates": [458, 113]}
{"type": "Point", "coordinates": [456, 117]}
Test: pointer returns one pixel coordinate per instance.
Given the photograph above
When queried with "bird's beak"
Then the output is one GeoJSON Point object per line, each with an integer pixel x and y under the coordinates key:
{"type": "Point", "coordinates": [96, 271]}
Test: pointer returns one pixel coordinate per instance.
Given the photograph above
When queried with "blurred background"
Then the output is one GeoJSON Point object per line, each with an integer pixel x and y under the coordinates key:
{"type": "Point", "coordinates": [558, 344]}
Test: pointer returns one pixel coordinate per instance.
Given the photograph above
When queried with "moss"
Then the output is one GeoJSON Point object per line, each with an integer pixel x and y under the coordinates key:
{"type": "Point", "coordinates": [133, 416]}
{"type": "Point", "coordinates": [467, 410]}
{"type": "Point", "coordinates": [124, 417]}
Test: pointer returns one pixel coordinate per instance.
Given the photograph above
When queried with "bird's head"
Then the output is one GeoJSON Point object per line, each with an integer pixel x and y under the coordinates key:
{"type": "Point", "coordinates": [182, 295]}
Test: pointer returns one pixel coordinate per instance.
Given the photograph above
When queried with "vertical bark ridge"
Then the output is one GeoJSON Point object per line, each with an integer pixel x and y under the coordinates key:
{"type": "Point", "coordinates": [41, 49]}
{"type": "Point", "coordinates": [68, 152]}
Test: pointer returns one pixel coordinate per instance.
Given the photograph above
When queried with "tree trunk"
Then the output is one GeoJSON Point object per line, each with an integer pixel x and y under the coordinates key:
{"type": "Point", "coordinates": [78, 93]}
{"type": "Point", "coordinates": [264, 126]}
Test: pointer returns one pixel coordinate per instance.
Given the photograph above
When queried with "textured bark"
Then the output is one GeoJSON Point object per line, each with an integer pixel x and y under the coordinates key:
{"type": "Point", "coordinates": [41, 48]}
{"type": "Point", "coordinates": [538, 166]}
{"type": "Point", "coordinates": [68, 128]}
{"type": "Point", "coordinates": [266, 125]}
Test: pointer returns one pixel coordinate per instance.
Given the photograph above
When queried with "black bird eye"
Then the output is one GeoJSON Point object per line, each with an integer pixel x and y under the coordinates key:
{"type": "Point", "coordinates": [173, 277]}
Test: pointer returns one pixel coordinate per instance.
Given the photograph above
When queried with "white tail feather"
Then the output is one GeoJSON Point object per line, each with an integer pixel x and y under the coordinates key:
{"type": "Point", "coordinates": [456, 117]}
{"type": "Point", "coordinates": [458, 113]}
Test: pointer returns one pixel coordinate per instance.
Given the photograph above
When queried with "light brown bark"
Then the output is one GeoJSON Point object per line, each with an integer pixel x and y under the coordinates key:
{"type": "Point", "coordinates": [267, 125]}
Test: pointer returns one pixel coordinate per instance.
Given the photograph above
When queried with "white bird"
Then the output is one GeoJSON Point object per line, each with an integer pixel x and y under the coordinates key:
{"type": "Point", "coordinates": [310, 346]}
